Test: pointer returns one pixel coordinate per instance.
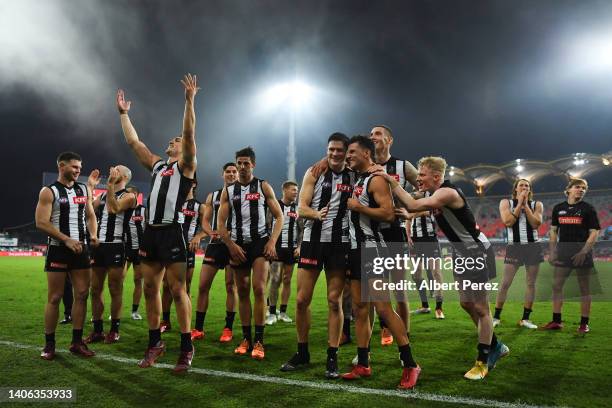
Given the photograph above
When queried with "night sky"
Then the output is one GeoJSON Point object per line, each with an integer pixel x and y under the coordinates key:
{"type": "Point", "coordinates": [473, 81]}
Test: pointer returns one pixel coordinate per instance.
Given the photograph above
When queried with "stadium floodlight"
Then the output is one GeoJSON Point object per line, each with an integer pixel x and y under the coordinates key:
{"type": "Point", "coordinates": [605, 161]}
{"type": "Point", "coordinates": [295, 94]}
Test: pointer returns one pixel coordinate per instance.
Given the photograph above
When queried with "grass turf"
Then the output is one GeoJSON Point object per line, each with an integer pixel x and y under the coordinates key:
{"type": "Point", "coordinates": [547, 368]}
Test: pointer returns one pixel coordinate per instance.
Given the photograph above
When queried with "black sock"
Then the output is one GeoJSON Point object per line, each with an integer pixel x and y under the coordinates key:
{"type": "Point", "coordinates": [425, 305]}
{"type": "Point", "coordinates": [584, 320]}
{"type": "Point", "coordinates": [115, 325]}
{"type": "Point", "coordinates": [272, 309]}
{"type": "Point", "coordinates": [229, 320]}
{"type": "Point", "coordinates": [346, 328]}
{"type": "Point", "coordinates": [557, 317]}
{"type": "Point", "coordinates": [154, 337]}
{"type": "Point", "coordinates": [526, 313]}
{"type": "Point", "coordinates": [332, 352]}
{"type": "Point", "coordinates": [134, 308]}
{"type": "Point", "coordinates": [382, 323]}
{"type": "Point", "coordinates": [303, 350]}
{"type": "Point", "coordinates": [67, 313]}
{"type": "Point", "coordinates": [50, 338]}
{"type": "Point", "coordinates": [498, 311]}
{"type": "Point", "coordinates": [483, 352]}
{"type": "Point", "coordinates": [439, 305]}
{"type": "Point", "coordinates": [369, 344]}
{"type": "Point", "coordinates": [98, 326]}
{"type": "Point", "coordinates": [199, 323]}
{"type": "Point", "coordinates": [246, 333]}
{"type": "Point", "coordinates": [166, 316]}
{"type": "Point", "coordinates": [493, 341]}
{"type": "Point", "coordinates": [259, 333]}
{"type": "Point", "coordinates": [186, 344]}
{"type": "Point", "coordinates": [362, 356]}
{"type": "Point", "coordinates": [77, 336]}
{"type": "Point", "coordinates": [283, 309]}
{"type": "Point", "coordinates": [406, 356]}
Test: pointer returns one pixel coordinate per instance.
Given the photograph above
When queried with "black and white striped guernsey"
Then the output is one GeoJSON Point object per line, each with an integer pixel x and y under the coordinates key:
{"type": "Point", "coordinates": [396, 168]}
{"type": "Point", "coordinates": [110, 226]}
{"type": "Point", "coordinates": [459, 225]}
{"type": "Point", "coordinates": [248, 211]}
{"type": "Point", "coordinates": [191, 214]}
{"type": "Point", "coordinates": [68, 210]}
{"type": "Point", "coordinates": [521, 232]}
{"type": "Point", "coordinates": [364, 229]}
{"type": "Point", "coordinates": [169, 191]}
{"type": "Point", "coordinates": [333, 189]}
{"type": "Point", "coordinates": [424, 227]}
{"type": "Point", "coordinates": [289, 233]}
{"type": "Point", "coordinates": [216, 204]}
{"type": "Point", "coordinates": [135, 226]}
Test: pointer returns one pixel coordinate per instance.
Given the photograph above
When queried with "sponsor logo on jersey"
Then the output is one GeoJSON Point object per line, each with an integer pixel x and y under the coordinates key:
{"type": "Point", "coordinates": [309, 261]}
{"type": "Point", "coordinates": [137, 218]}
{"type": "Point", "coordinates": [79, 200]}
{"type": "Point", "coordinates": [292, 214]}
{"type": "Point", "coordinates": [167, 173]}
{"type": "Point", "coordinates": [570, 220]}
{"type": "Point", "coordinates": [252, 196]}
{"type": "Point", "coordinates": [188, 212]}
{"type": "Point", "coordinates": [358, 190]}
{"type": "Point", "coordinates": [344, 188]}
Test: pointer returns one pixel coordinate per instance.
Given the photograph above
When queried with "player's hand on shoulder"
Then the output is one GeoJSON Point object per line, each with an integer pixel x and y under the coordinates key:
{"type": "Point", "coordinates": [319, 168]}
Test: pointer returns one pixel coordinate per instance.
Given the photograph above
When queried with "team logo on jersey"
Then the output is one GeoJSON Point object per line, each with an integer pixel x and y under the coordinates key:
{"type": "Point", "coordinates": [570, 220]}
{"type": "Point", "coordinates": [137, 218]}
{"type": "Point", "coordinates": [189, 213]}
{"type": "Point", "coordinates": [292, 214]}
{"type": "Point", "coordinates": [326, 184]}
{"type": "Point", "coordinates": [167, 173]}
{"type": "Point", "coordinates": [62, 200]}
{"type": "Point", "coordinates": [216, 203]}
{"type": "Point", "coordinates": [562, 212]}
{"type": "Point", "coordinates": [344, 188]}
{"type": "Point", "coordinates": [358, 190]}
{"type": "Point", "coordinates": [252, 196]}
{"type": "Point", "coordinates": [79, 200]}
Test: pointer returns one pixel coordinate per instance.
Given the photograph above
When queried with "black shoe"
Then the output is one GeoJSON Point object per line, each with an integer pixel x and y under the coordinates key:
{"type": "Point", "coordinates": [331, 370]}
{"type": "Point", "coordinates": [67, 320]}
{"type": "Point", "coordinates": [296, 362]}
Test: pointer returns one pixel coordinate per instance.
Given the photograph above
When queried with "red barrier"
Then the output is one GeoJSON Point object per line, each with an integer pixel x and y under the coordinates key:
{"type": "Point", "coordinates": [21, 253]}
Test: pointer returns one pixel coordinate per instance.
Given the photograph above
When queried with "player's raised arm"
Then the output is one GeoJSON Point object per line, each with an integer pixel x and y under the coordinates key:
{"type": "Point", "coordinates": [188, 160]}
{"type": "Point", "coordinates": [142, 152]}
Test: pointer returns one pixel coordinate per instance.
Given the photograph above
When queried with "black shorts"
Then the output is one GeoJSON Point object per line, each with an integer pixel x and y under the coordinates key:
{"type": "Point", "coordinates": [253, 250]}
{"type": "Point", "coordinates": [131, 255]}
{"type": "Point", "coordinates": [190, 259]}
{"type": "Point", "coordinates": [164, 244]}
{"type": "Point", "coordinates": [324, 255]}
{"type": "Point", "coordinates": [426, 248]}
{"type": "Point", "coordinates": [565, 252]}
{"type": "Point", "coordinates": [108, 255]}
{"type": "Point", "coordinates": [480, 269]}
{"type": "Point", "coordinates": [524, 254]}
{"type": "Point", "coordinates": [394, 234]}
{"type": "Point", "coordinates": [216, 254]}
{"type": "Point", "coordinates": [61, 259]}
{"type": "Point", "coordinates": [361, 262]}
{"type": "Point", "coordinates": [285, 255]}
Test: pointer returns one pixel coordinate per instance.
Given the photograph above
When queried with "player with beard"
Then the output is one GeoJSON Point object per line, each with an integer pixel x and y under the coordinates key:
{"type": "Point", "coordinates": [372, 204]}
{"type": "Point", "coordinates": [456, 220]}
{"type": "Point", "coordinates": [163, 245]}
{"type": "Point", "coordinates": [216, 257]}
{"type": "Point", "coordinates": [249, 245]}
{"type": "Point", "coordinates": [65, 213]}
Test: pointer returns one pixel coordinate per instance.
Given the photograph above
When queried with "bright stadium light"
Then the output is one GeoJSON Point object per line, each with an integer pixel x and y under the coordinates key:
{"type": "Point", "coordinates": [296, 94]}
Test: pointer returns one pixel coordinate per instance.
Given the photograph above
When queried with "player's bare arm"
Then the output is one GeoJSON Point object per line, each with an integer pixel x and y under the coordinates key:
{"type": "Point", "coordinates": [306, 194]}
{"type": "Point", "coordinates": [552, 244]}
{"type": "Point", "coordinates": [277, 213]}
{"type": "Point", "coordinates": [379, 188]}
{"type": "Point", "coordinates": [206, 218]}
{"type": "Point", "coordinates": [579, 258]}
{"type": "Point", "coordinates": [188, 160]}
{"type": "Point", "coordinates": [508, 217]}
{"type": "Point", "coordinates": [127, 200]}
{"type": "Point", "coordinates": [234, 249]}
{"type": "Point", "coordinates": [141, 151]}
{"type": "Point", "coordinates": [42, 216]}
{"type": "Point", "coordinates": [194, 244]}
{"type": "Point", "coordinates": [534, 217]}
{"type": "Point", "coordinates": [411, 173]}
{"type": "Point", "coordinates": [92, 222]}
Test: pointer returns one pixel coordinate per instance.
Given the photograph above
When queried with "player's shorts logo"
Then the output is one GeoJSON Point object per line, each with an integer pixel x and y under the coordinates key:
{"type": "Point", "coordinates": [79, 200]}
{"type": "Point", "coordinates": [309, 261]}
{"type": "Point", "coordinates": [142, 253]}
{"type": "Point", "coordinates": [252, 196]}
{"type": "Point", "coordinates": [167, 173]}
{"type": "Point", "coordinates": [58, 265]}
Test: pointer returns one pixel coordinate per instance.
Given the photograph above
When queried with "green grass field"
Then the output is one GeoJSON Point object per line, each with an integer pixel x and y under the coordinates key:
{"type": "Point", "coordinates": [543, 368]}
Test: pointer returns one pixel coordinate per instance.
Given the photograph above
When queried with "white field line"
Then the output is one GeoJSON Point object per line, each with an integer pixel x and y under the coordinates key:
{"type": "Point", "coordinates": [311, 384]}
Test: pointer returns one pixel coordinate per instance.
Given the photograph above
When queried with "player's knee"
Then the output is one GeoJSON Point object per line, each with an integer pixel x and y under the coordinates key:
{"type": "Point", "coordinates": [467, 306]}
{"type": "Point", "coordinates": [230, 287]}
{"type": "Point", "coordinates": [54, 298]}
{"type": "Point", "coordinates": [333, 304]}
{"type": "Point", "coordinates": [302, 302]}
{"type": "Point", "coordinates": [81, 295]}
{"type": "Point", "coordinates": [259, 291]}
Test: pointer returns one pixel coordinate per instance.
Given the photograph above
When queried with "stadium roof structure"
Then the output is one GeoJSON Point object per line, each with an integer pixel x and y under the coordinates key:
{"type": "Point", "coordinates": [483, 176]}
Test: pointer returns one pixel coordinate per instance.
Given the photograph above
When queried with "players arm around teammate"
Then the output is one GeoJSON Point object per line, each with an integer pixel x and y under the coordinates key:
{"type": "Point", "coordinates": [522, 216]}
{"type": "Point", "coordinates": [455, 218]}
{"type": "Point", "coordinates": [573, 233]}
{"type": "Point", "coordinates": [163, 245]}
{"type": "Point", "coordinates": [65, 213]}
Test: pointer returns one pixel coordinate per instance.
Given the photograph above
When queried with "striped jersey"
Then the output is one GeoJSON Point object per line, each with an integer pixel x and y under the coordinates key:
{"type": "Point", "coordinates": [333, 189]}
{"type": "Point", "coordinates": [248, 211]}
{"type": "Point", "coordinates": [396, 168]}
{"type": "Point", "coordinates": [521, 232]}
{"type": "Point", "coordinates": [459, 225]}
{"type": "Point", "coordinates": [68, 210]}
{"type": "Point", "coordinates": [110, 226]}
{"type": "Point", "coordinates": [169, 191]}
{"type": "Point", "coordinates": [363, 228]}
{"type": "Point", "coordinates": [424, 227]}
{"type": "Point", "coordinates": [135, 226]}
{"type": "Point", "coordinates": [191, 214]}
{"type": "Point", "coordinates": [289, 234]}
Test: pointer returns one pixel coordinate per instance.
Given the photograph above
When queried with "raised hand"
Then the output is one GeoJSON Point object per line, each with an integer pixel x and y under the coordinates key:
{"type": "Point", "coordinates": [94, 179]}
{"type": "Point", "coordinates": [113, 176]}
{"type": "Point", "coordinates": [190, 82]}
{"type": "Point", "coordinates": [122, 105]}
